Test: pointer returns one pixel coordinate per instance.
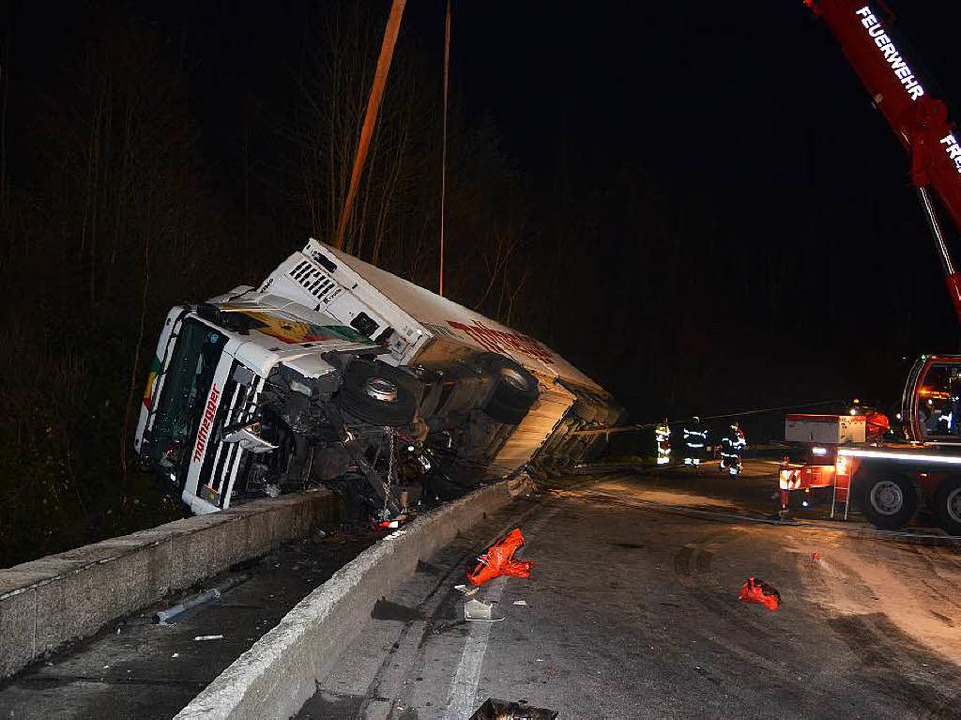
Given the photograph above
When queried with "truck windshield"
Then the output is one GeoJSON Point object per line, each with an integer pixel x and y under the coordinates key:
{"type": "Point", "coordinates": [180, 406]}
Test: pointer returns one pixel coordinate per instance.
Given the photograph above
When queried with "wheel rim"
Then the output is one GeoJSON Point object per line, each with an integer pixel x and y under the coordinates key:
{"type": "Point", "coordinates": [514, 378]}
{"type": "Point", "coordinates": [381, 389]}
{"type": "Point", "coordinates": [887, 497]}
{"type": "Point", "coordinates": [953, 505]}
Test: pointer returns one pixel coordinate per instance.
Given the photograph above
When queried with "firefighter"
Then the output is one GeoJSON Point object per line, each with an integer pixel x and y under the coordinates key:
{"type": "Point", "coordinates": [662, 435]}
{"type": "Point", "coordinates": [695, 439]}
{"type": "Point", "coordinates": [731, 446]}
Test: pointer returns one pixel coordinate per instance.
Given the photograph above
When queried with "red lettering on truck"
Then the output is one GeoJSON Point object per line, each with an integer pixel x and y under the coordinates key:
{"type": "Point", "coordinates": [208, 420]}
{"type": "Point", "coordinates": [499, 341]}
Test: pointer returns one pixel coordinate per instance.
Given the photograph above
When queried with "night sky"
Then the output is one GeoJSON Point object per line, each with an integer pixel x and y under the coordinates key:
{"type": "Point", "coordinates": [745, 122]}
{"type": "Point", "coordinates": [750, 113]}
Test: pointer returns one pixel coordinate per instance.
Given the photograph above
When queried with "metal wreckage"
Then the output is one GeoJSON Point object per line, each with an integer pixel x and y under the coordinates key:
{"type": "Point", "coordinates": [334, 372]}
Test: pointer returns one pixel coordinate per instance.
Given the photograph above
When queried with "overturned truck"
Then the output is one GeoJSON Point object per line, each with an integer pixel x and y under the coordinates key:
{"type": "Point", "coordinates": [334, 372]}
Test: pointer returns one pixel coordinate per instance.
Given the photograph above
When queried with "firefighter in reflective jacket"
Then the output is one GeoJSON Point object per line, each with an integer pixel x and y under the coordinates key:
{"type": "Point", "coordinates": [695, 439]}
{"type": "Point", "coordinates": [662, 435]}
{"type": "Point", "coordinates": [731, 446]}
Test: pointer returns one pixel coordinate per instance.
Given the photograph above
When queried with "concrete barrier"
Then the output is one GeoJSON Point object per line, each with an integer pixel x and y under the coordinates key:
{"type": "Point", "coordinates": [277, 675]}
{"type": "Point", "coordinates": [51, 601]}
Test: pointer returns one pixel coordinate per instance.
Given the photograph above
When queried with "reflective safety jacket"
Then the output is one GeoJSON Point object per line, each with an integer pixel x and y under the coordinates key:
{"type": "Point", "coordinates": [734, 441]}
{"type": "Point", "coordinates": [695, 438]}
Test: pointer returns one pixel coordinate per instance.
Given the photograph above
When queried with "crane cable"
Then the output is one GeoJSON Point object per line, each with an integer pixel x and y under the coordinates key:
{"type": "Point", "coordinates": [743, 413]}
{"type": "Point", "coordinates": [443, 168]}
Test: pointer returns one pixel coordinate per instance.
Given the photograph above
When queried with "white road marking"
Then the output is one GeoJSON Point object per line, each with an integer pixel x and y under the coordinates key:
{"type": "Point", "coordinates": [461, 699]}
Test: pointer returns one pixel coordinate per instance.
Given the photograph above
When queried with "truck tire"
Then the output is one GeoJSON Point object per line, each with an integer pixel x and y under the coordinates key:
{"type": "Point", "coordinates": [888, 500]}
{"type": "Point", "coordinates": [947, 505]}
{"type": "Point", "coordinates": [515, 389]}
{"type": "Point", "coordinates": [373, 393]}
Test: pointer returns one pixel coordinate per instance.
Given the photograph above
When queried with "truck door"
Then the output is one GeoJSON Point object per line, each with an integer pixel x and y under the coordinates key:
{"type": "Point", "coordinates": [930, 404]}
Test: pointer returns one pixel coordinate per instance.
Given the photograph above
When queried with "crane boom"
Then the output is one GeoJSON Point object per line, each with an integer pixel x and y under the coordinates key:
{"type": "Point", "coordinates": [919, 119]}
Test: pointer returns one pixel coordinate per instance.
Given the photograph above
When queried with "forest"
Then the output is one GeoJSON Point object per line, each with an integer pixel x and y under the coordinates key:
{"type": "Point", "coordinates": [152, 154]}
{"type": "Point", "coordinates": [117, 203]}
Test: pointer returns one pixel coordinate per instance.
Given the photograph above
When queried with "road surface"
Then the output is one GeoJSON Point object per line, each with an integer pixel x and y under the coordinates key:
{"type": "Point", "coordinates": [632, 612]}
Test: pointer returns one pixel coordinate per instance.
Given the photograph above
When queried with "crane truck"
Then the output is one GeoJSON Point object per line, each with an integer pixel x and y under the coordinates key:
{"type": "Point", "coordinates": [891, 480]}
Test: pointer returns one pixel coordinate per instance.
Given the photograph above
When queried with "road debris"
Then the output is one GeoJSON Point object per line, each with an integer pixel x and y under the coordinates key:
{"type": "Point", "coordinates": [466, 590]}
{"type": "Point", "coordinates": [521, 602]}
{"type": "Point", "coordinates": [209, 637]}
{"type": "Point", "coordinates": [494, 709]}
{"type": "Point", "coordinates": [479, 611]}
{"type": "Point", "coordinates": [755, 590]}
{"type": "Point", "coordinates": [499, 560]}
{"type": "Point", "coordinates": [172, 614]}
{"type": "Point", "coordinates": [391, 523]}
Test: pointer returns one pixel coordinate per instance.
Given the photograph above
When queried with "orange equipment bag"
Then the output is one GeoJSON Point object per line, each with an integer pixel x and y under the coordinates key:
{"type": "Point", "coordinates": [499, 560]}
{"type": "Point", "coordinates": [755, 590]}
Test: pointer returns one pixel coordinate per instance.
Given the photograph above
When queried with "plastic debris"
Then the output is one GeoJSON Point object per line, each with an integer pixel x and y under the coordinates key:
{"type": "Point", "coordinates": [169, 615]}
{"type": "Point", "coordinates": [209, 637]}
{"type": "Point", "coordinates": [499, 560]}
{"type": "Point", "coordinates": [466, 590]}
{"type": "Point", "coordinates": [816, 556]}
{"type": "Point", "coordinates": [391, 523]}
{"type": "Point", "coordinates": [521, 602]}
{"type": "Point", "coordinates": [477, 611]}
{"type": "Point", "coordinates": [755, 590]}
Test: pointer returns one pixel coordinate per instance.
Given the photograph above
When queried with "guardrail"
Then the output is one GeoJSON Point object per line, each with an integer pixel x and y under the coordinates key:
{"type": "Point", "coordinates": [277, 675]}
{"type": "Point", "coordinates": [49, 602]}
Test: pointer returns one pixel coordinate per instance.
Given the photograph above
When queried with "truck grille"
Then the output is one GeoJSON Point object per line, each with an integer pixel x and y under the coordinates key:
{"type": "Point", "coordinates": [239, 407]}
{"type": "Point", "coordinates": [314, 281]}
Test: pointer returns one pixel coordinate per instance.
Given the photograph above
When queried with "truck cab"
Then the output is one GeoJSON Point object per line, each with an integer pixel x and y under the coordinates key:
{"type": "Point", "coordinates": [930, 405]}
{"type": "Point", "coordinates": [247, 394]}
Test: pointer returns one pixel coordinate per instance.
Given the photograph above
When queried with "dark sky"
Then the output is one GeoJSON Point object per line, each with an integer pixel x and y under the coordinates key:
{"type": "Point", "coordinates": [744, 113]}
{"type": "Point", "coordinates": [705, 93]}
{"type": "Point", "coordinates": [736, 108]}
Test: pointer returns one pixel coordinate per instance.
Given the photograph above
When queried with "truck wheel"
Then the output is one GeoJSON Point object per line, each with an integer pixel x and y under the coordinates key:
{"type": "Point", "coordinates": [888, 500]}
{"type": "Point", "coordinates": [373, 393]}
{"type": "Point", "coordinates": [947, 505]}
{"type": "Point", "coordinates": [515, 389]}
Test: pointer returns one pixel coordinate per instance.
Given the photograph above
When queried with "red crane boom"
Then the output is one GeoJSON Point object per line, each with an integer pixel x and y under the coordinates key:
{"type": "Point", "coordinates": [919, 119]}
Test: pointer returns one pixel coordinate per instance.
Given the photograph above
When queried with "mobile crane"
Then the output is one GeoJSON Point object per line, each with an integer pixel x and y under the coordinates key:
{"type": "Point", "coordinates": [891, 480]}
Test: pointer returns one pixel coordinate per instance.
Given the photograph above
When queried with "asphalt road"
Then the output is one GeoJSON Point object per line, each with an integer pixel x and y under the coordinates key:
{"type": "Point", "coordinates": [632, 612]}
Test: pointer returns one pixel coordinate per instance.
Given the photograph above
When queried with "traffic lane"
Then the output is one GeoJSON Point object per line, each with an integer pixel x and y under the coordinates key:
{"type": "Point", "coordinates": [634, 613]}
{"type": "Point", "coordinates": [135, 668]}
{"type": "Point", "coordinates": [754, 491]}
